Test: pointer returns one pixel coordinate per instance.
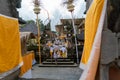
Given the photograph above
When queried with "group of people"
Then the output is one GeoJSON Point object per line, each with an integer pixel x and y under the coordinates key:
{"type": "Point", "coordinates": [58, 49]}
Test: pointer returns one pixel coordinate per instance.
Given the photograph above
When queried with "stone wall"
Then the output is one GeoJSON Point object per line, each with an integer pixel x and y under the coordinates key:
{"type": "Point", "coordinates": [8, 7]}
{"type": "Point", "coordinates": [4, 7]}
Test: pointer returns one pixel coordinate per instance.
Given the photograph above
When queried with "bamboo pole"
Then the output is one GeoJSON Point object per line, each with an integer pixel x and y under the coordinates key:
{"type": "Point", "coordinates": [38, 26]}
{"type": "Point", "coordinates": [75, 37]}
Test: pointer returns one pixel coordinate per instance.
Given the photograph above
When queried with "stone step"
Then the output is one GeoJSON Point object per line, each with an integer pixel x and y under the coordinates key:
{"type": "Point", "coordinates": [59, 60]}
{"type": "Point", "coordinates": [57, 65]}
{"type": "Point", "coordinates": [61, 63]}
{"type": "Point", "coordinates": [36, 79]}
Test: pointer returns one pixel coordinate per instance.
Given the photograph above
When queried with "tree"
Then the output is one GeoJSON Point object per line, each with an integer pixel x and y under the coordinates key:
{"type": "Point", "coordinates": [42, 26]}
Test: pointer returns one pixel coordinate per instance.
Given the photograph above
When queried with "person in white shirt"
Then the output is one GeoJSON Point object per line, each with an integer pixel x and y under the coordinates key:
{"type": "Point", "coordinates": [64, 52]}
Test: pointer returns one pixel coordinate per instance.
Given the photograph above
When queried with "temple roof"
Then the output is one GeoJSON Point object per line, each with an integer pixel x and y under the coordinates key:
{"type": "Point", "coordinates": [29, 27]}
{"type": "Point", "coordinates": [76, 21]}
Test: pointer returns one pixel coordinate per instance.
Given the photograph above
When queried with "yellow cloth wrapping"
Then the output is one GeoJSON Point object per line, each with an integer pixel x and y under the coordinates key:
{"type": "Point", "coordinates": [91, 55]}
{"type": "Point", "coordinates": [64, 55]}
{"type": "Point", "coordinates": [91, 25]}
{"type": "Point", "coordinates": [27, 62]}
{"type": "Point", "coordinates": [10, 51]}
{"type": "Point", "coordinates": [62, 36]}
{"type": "Point", "coordinates": [49, 44]}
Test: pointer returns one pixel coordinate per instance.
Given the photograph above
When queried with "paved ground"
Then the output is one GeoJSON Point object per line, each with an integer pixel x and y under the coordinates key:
{"type": "Point", "coordinates": [56, 73]}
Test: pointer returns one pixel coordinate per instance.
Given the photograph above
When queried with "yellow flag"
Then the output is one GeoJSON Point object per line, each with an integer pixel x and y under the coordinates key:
{"type": "Point", "coordinates": [91, 25]}
{"type": "Point", "coordinates": [10, 50]}
{"type": "Point", "coordinates": [93, 32]}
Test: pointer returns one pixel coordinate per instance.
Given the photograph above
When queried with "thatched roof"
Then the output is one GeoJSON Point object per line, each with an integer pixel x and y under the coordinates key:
{"type": "Point", "coordinates": [76, 21]}
{"type": "Point", "coordinates": [30, 27]}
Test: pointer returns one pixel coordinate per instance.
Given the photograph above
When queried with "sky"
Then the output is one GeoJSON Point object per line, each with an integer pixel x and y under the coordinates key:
{"type": "Point", "coordinates": [54, 8]}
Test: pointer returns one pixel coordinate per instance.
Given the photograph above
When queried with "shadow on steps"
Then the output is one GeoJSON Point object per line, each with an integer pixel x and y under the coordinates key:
{"type": "Point", "coordinates": [37, 79]}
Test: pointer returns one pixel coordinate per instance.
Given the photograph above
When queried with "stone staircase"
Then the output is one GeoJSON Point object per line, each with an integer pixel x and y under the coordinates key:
{"type": "Point", "coordinates": [61, 62]}
{"type": "Point", "coordinates": [36, 79]}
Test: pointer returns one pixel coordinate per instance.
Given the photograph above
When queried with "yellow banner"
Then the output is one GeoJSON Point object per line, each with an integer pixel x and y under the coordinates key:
{"type": "Point", "coordinates": [91, 25]}
{"type": "Point", "coordinates": [10, 51]}
{"type": "Point", "coordinates": [91, 56]}
{"type": "Point", "coordinates": [27, 62]}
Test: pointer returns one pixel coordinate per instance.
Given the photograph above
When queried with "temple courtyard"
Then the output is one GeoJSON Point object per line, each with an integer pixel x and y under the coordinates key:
{"type": "Point", "coordinates": [56, 73]}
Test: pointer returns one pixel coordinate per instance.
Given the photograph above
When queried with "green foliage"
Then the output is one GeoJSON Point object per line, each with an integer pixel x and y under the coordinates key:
{"type": "Point", "coordinates": [42, 26]}
{"type": "Point", "coordinates": [23, 25]}
{"type": "Point", "coordinates": [54, 31]}
{"type": "Point", "coordinates": [30, 21]}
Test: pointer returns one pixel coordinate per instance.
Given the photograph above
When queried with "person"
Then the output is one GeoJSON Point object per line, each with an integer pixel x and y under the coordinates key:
{"type": "Point", "coordinates": [60, 54]}
{"type": "Point", "coordinates": [55, 56]}
{"type": "Point", "coordinates": [49, 43]}
{"type": "Point", "coordinates": [51, 51]}
{"type": "Point", "coordinates": [64, 51]}
{"type": "Point", "coordinates": [66, 43]}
